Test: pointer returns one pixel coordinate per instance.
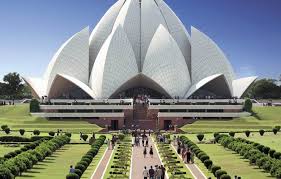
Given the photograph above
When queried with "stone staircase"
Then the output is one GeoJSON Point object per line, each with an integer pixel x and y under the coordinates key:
{"type": "Point", "coordinates": [141, 117]}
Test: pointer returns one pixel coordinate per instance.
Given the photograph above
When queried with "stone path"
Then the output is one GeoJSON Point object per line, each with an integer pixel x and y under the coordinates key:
{"type": "Point", "coordinates": [138, 160]}
{"type": "Point", "coordinates": [101, 168]}
{"type": "Point", "coordinates": [194, 170]}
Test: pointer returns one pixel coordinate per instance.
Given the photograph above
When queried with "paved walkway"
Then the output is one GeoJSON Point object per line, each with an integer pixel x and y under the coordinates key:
{"type": "Point", "coordinates": [194, 170]}
{"type": "Point", "coordinates": [101, 168]}
{"type": "Point", "coordinates": [138, 160]}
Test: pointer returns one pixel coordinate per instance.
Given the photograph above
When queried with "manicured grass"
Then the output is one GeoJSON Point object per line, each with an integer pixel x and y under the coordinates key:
{"type": "Point", "coordinates": [91, 168]}
{"type": "Point", "coordinates": [233, 163]}
{"type": "Point", "coordinates": [268, 139]}
{"type": "Point", "coordinates": [18, 117]}
{"type": "Point", "coordinates": [4, 149]}
{"type": "Point", "coordinates": [264, 118]}
{"type": "Point", "coordinates": [57, 165]}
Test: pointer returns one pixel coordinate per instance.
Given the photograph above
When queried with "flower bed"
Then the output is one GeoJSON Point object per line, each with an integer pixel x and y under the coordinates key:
{"type": "Point", "coordinates": [204, 158]}
{"type": "Point", "coordinates": [25, 160]}
{"type": "Point", "coordinates": [121, 161]}
{"type": "Point", "coordinates": [86, 160]}
{"type": "Point", "coordinates": [257, 154]}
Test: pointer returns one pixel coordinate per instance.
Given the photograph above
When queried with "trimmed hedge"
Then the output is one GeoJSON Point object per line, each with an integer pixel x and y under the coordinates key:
{"type": "Point", "coordinates": [257, 154]}
{"type": "Point", "coordinates": [31, 154]}
{"type": "Point", "coordinates": [86, 160]}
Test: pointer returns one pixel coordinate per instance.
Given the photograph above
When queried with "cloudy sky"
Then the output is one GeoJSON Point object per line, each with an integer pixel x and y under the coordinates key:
{"type": "Point", "coordinates": [249, 32]}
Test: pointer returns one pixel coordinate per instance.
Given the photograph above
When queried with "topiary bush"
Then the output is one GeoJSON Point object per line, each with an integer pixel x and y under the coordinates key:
{"type": "Point", "coordinates": [225, 176]}
{"type": "Point", "coordinates": [200, 137]}
{"type": "Point", "coordinates": [247, 133]}
{"type": "Point", "coordinates": [214, 168]}
{"type": "Point", "coordinates": [84, 137]}
{"type": "Point", "coordinates": [271, 153]}
{"type": "Point", "coordinates": [7, 130]}
{"type": "Point", "coordinates": [34, 106]}
{"type": "Point", "coordinates": [78, 172]}
{"type": "Point", "coordinates": [219, 173]}
{"type": "Point", "coordinates": [248, 105]}
{"type": "Point", "coordinates": [72, 176]}
{"type": "Point", "coordinates": [3, 127]}
{"type": "Point", "coordinates": [80, 167]}
{"type": "Point", "coordinates": [68, 134]}
{"type": "Point", "coordinates": [232, 134]}
{"type": "Point", "coordinates": [278, 127]}
{"type": "Point", "coordinates": [36, 132]}
{"type": "Point", "coordinates": [22, 131]}
{"type": "Point", "coordinates": [52, 133]}
{"type": "Point", "coordinates": [277, 155]}
{"type": "Point", "coordinates": [261, 131]}
{"type": "Point", "coordinates": [208, 163]}
{"type": "Point", "coordinates": [274, 130]}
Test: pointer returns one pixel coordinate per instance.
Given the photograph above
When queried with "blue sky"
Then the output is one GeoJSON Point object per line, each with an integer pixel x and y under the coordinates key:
{"type": "Point", "coordinates": [248, 31]}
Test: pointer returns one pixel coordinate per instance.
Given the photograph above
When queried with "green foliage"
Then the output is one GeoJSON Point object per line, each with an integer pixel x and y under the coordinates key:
{"type": "Point", "coordinates": [22, 131]}
{"type": "Point", "coordinates": [121, 136]}
{"type": "Point", "coordinates": [225, 176]}
{"type": "Point", "coordinates": [84, 137]}
{"type": "Point", "coordinates": [214, 168]}
{"type": "Point", "coordinates": [261, 131]}
{"type": "Point", "coordinates": [7, 130]}
{"type": "Point", "coordinates": [68, 134]}
{"type": "Point", "coordinates": [275, 130]}
{"type": "Point", "coordinates": [247, 133]}
{"type": "Point", "coordinates": [72, 176]}
{"type": "Point", "coordinates": [264, 89]}
{"type": "Point", "coordinates": [219, 173]}
{"type": "Point", "coordinates": [13, 85]}
{"type": "Point", "coordinates": [248, 105]}
{"type": "Point", "coordinates": [200, 137]}
{"type": "Point", "coordinates": [36, 132]}
{"type": "Point", "coordinates": [208, 163]}
{"type": "Point", "coordinates": [278, 127]}
{"type": "Point", "coordinates": [52, 133]}
{"type": "Point", "coordinates": [34, 106]}
{"type": "Point", "coordinates": [5, 173]}
{"type": "Point", "coordinates": [3, 127]}
{"type": "Point", "coordinates": [232, 134]}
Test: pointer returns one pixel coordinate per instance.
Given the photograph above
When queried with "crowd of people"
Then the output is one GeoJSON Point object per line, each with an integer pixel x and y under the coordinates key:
{"type": "Point", "coordinates": [156, 172]}
{"type": "Point", "coordinates": [183, 150]}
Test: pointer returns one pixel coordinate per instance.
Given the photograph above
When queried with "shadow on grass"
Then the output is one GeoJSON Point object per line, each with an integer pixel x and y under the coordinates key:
{"type": "Point", "coordinates": [256, 115]}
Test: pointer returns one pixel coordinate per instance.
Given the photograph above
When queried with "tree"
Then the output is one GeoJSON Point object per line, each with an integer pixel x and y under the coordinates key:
{"type": "Point", "coordinates": [247, 133]}
{"type": "Point", "coordinates": [248, 105]}
{"type": "Point", "coordinates": [264, 89]}
{"type": "Point", "coordinates": [200, 137]}
{"type": "Point", "coordinates": [13, 85]}
{"type": "Point", "coordinates": [261, 132]}
{"type": "Point", "coordinates": [22, 131]}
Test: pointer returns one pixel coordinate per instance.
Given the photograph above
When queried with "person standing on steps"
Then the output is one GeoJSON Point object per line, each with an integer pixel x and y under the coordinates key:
{"type": "Point", "coordinates": [145, 173]}
{"type": "Point", "coordinates": [151, 152]}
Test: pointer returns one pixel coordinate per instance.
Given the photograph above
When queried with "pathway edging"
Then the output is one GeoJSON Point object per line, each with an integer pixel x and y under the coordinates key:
{"type": "Point", "coordinates": [99, 162]}
{"type": "Point", "coordinates": [166, 173]}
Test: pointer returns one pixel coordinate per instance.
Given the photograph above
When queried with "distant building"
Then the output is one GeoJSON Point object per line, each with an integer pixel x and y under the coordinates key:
{"type": "Point", "coordinates": [141, 50]}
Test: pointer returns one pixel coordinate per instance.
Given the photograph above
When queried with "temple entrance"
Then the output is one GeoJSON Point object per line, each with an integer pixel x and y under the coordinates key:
{"type": "Point", "coordinates": [167, 124]}
{"type": "Point", "coordinates": [114, 125]}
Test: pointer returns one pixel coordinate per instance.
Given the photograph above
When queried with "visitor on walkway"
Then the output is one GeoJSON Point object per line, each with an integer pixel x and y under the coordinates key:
{"type": "Point", "coordinates": [142, 141]}
{"type": "Point", "coordinates": [146, 142]}
{"type": "Point", "coordinates": [145, 173]}
{"type": "Point", "coordinates": [159, 173]}
{"type": "Point", "coordinates": [133, 141]}
{"type": "Point", "coordinates": [188, 156]}
{"type": "Point", "coordinates": [71, 169]}
{"type": "Point", "coordinates": [149, 132]}
{"type": "Point", "coordinates": [191, 157]}
{"type": "Point", "coordinates": [163, 172]}
{"type": "Point", "coordinates": [144, 152]}
{"type": "Point", "coordinates": [151, 152]}
{"type": "Point", "coordinates": [183, 153]}
{"type": "Point", "coordinates": [151, 173]}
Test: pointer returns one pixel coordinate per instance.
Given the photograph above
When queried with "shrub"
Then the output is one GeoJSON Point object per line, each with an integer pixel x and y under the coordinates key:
{"type": "Point", "coordinates": [3, 127]}
{"type": "Point", "coordinates": [7, 130]}
{"type": "Point", "coordinates": [84, 137]}
{"type": "Point", "coordinates": [208, 163]}
{"type": "Point", "coordinates": [219, 173]}
{"type": "Point", "coordinates": [266, 150]}
{"type": "Point", "coordinates": [214, 168]}
{"type": "Point", "coordinates": [14, 139]}
{"type": "Point", "coordinates": [277, 155]}
{"type": "Point", "coordinates": [261, 132]}
{"type": "Point", "coordinates": [121, 136]}
{"type": "Point", "coordinates": [275, 130]}
{"type": "Point", "coordinates": [72, 176]}
{"type": "Point", "coordinates": [22, 131]}
{"type": "Point", "coordinates": [247, 133]}
{"type": "Point", "coordinates": [216, 134]}
{"type": "Point", "coordinates": [248, 105]}
{"type": "Point", "coordinates": [34, 106]}
{"type": "Point", "coordinates": [68, 134]}
{"type": "Point", "coordinates": [278, 127]}
{"type": "Point", "coordinates": [52, 133]}
{"type": "Point", "coordinates": [78, 172]}
{"type": "Point", "coordinates": [204, 157]}
{"type": "Point", "coordinates": [232, 134]}
{"type": "Point", "coordinates": [200, 137]}
{"type": "Point", "coordinates": [271, 153]}
{"type": "Point", "coordinates": [80, 167]}
{"type": "Point", "coordinates": [6, 174]}
{"type": "Point", "coordinates": [36, 132]}
{"type": "Point", "coordinates": [225, 176]}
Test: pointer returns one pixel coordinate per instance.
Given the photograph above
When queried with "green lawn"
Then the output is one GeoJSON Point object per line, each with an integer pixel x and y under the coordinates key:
{"type": "Point", "coordinates": [57, 165]}
{"type": "Point", "coordinates": [17, 117]}
{"type": "Point", "coordinates": [268, 139]}
{"type": "Point", "coordinates": [264, 118]}
{"type": "Point", "coordinates": [4, 149]}
{"type": "Point", "coordinates": [232, 163]}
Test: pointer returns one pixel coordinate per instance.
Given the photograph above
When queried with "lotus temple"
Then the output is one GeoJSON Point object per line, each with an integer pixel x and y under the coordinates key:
{"type": "Point", "coordinates": [140, 67]}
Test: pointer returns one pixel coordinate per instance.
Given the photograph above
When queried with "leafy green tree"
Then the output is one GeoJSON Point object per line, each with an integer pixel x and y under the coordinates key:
{"type": "Point", "coordinates": [13, 85]}
{"type": "Point", "coordinates": [248, 105]}
{"type": "Point", "coordinates": [264, 89]}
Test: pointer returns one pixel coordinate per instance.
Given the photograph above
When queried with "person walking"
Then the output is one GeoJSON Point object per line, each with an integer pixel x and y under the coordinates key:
{"type": "Point", "coordinates": [163, 172]}
{"type": "Point", "coordinates": [142, 141]}
{"type": "Point", "coordinates": [159, 173]}
{"type": "Point", "coordinates": [146, 142]}
{"type": "Point", "coordinates": [188, 156]}
{"type": "Point", "coordinates": [192, 157]}
{"type": "Point", "coordinates": [151, 173]}
{"type": "Point", "coordinates": [151, 152]}
{"type": "Point", "coordinates": [144, 152]}
{"type": "Point", "coordinates": [145, 173]}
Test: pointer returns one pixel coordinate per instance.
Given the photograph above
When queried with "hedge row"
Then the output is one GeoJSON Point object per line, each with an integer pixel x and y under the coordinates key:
{"type": "Point", "coordinates": [22, 139]}
{"type": "Point", "coordinates": [257, 154]}
{"type": "Point", "coordinates": [22, 162]}
{"type": "Point", "coordinates": [86, 160]}
{"type": "Point", "coordinates": [216, 170]}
